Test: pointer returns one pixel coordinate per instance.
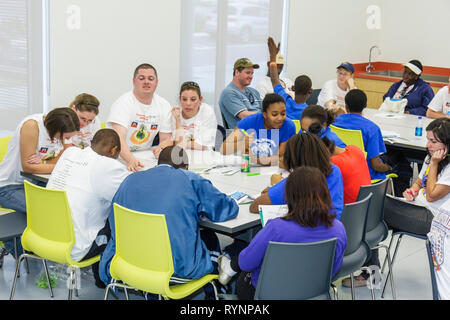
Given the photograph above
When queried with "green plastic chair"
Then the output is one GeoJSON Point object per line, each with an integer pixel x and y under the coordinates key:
{"type": "Point", "coordinates": [298, 127]}
{"type": "Point", "coordinates": [143, 259]}
{"type": "Point", "coordinates": [350, 137]}
{"type": "Point", "coordinates": [49, 233]}
{"type": "Point", "coordinates": [4, 141]}
{"type": "Point", "coordinates": [354, 137]}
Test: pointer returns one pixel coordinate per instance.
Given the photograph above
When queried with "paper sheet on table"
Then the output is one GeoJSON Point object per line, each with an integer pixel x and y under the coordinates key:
{"type": "Point", "coordinates": [389, 134]}
{"type": "Point", "coordinates": [269, 170]}
{"type": "Point", "coordinates": [390, 115]}
{"type": "Point", "coordinates": [267, 212]}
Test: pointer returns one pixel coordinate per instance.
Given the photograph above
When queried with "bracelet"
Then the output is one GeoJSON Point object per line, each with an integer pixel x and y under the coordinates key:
{"type": "Point", "coordinates": [273, 64]}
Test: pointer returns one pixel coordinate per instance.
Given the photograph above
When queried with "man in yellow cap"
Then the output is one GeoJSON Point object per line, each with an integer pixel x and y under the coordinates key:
{"type": "Point", "coordinates": [238, 100]}
{"type": "Point", "coordinates": [265, 85]}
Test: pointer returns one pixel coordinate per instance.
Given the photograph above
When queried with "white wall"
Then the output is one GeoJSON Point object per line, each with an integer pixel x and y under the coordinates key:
{"type": "Point", "coordinates": [416, 29]}
{"type": "Point", "coordinates": [323, 33]}
{"type": "Point", "coordinates": [114, 37]}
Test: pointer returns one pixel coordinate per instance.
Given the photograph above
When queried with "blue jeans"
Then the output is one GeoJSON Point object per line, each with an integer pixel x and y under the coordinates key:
{"type": "Point", "coordinates": [13, 197]}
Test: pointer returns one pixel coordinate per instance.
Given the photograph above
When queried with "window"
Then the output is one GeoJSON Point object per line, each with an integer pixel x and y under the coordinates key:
{"type": "Point", "coordinates": [21, 78]}
{"type": "Point", "coordinates": [215, 33]}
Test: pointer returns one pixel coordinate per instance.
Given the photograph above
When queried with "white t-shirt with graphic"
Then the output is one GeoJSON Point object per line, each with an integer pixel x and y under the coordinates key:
{"type": "Point", "coordinates": [331, 90]}
{"type": "Point", "coordinates": [441, 101]}
{"type": "Point", "coordinates": [84, 137]}
{"type": "Point", "coordinates": [142, 121]}
{"type": "Point", "coordinates": [265, 86]}
{"type": "Point", "coordinates": [443, 178]}
{"type": "Point", "coordinates": [90, 181]}
{"type": "Point", "coordinates": [11, 166]}
{"type": "Point", "coordinates": [201, 128]}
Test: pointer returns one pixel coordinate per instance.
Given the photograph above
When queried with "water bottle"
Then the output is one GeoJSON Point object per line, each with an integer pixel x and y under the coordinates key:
{"type": "Point", "coordinates": [419, 128]}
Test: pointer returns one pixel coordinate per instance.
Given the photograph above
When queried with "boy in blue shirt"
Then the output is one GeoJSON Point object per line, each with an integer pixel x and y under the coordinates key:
{"type": "Point", "coordinates": [302, 86]}
{"type": "Point", "coordinates": [262, 135]}
{"type": "Point", "coordinates": [355, 102]}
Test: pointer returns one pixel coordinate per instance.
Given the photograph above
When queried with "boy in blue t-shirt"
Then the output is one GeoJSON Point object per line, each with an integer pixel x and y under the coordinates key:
{"type": "Point", "coordinates": [355, 102]}
{"type": "Point", "coordinates": [302, 86]}
{"type": "Point", "coordinates": [262, 135]}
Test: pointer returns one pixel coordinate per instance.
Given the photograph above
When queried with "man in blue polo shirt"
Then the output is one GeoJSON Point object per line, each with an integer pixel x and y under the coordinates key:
{"type": "Point", "coordinates": [355, 102]}
{"type": "Point", "coordinates": [238, 100]}
{"type": "Point", "coordinates": [302, 85]}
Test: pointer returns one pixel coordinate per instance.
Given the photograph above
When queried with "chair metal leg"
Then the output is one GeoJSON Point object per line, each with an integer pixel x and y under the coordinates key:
{"type": "Point", "coordinates": [352, 285]}
{"type": "Point", "coordinates": [385, 260]}
{"type": "Point", "coordinates": [71, 281]}
{"type": "Point", "coordinates": [13, 288]}
{"type": "Point", "coordinates": [216, 296]}
{"type": "Point", "coordinates": [112, 284]}
{"type": "Point", "coordinates": [15, 256]}
{"type": "Point", "coordinates": [48, 278]}
{"type": "Point", "coordinates": [126, 293]}
{"type": "Point", "coordinates": [390, 275]}
{"type": "Point", "coordinates": [335, 292]}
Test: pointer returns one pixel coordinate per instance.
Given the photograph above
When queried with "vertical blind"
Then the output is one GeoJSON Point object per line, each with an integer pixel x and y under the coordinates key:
{"type": "Point", "coordinates": [13, 62]}
{"type": "Point", "coordinates": [215, 33]}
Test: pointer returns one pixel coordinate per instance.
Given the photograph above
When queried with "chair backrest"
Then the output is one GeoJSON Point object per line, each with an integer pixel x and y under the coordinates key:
{"type": "Point", "coordinates": [375, 216]}
{"type": "Point", "coordinates": [49, 232]}
{"type": "Point", "coordinates": [432, 271]}
{"type": "Point", "coordinates": [103, 124]}
{"type": "Point", "coordinates": [143, 257]}
{"type": "Point", "coordinates": [296, 271]}
{"type": "Point", "coordinates": [298, 127]}
{"type": "Point", "coordinates": [4, 146]}
{"type": "Point", "coordinates": [354, 218]}
{"type": "Point", "coordinates": [407, 216]}
{"type": "Point", "coordinates": [350, 137]}
{"type": "Point", "coordinates": [312, 99]}
{"type": "Point", "coordinates": [221, 135]}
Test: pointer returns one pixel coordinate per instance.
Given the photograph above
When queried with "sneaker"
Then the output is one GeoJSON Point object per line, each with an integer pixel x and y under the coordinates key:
{"type": "Point", "coordinates": [225, 271]}
{"type": "Point", "coordinates": [3, 252]}
{"type": "Point", "coordinates": [358, 281]}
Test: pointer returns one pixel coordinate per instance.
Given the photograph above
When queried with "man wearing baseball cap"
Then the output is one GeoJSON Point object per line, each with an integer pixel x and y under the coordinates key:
{"type": "Point", "coordinates": [333, 91]}
{"type": "Point", "coordinates": [418, 92]}
{"type": "Point", "coordinates": [265, 85]}
{"type": "Point", "coordinates": [238, 100]}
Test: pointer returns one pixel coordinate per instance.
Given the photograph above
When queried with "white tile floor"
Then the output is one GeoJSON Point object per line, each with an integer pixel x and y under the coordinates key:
{"type": "Point", "coordinates": [411, 276]}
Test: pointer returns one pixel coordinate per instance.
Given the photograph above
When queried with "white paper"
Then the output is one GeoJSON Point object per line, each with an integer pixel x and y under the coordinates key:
{"type": "Point", "coordinates": [267, 212]}
{"type": "Point", "coordinates": [389, 134]}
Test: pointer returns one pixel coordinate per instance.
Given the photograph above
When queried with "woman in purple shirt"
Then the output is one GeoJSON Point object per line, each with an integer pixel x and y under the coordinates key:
{"type": "Point", "coordinates": [308, 220]}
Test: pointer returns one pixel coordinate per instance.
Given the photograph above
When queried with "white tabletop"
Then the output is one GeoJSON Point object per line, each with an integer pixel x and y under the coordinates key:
{"type": "Point", "coordinates": [401, 126]}
{"type": "Point", "coordinates": [201, 160]}
{"type": "Point", "coordinates": [252, 185]}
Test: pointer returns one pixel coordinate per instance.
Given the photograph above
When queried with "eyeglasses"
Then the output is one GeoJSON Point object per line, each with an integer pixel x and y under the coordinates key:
{"type": "Point", "coordinates": [344, 74]}
{"type": "Point", "coordinates": [190, 84]}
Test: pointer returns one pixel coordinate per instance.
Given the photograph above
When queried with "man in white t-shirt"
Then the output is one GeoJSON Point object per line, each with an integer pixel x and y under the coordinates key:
{"type": "Point", "coordinates": [439, 107]}
{"type": "Point", "coordinates": [90, 177]}
{"type": "Point", "coordinates": [265, 85]}
{"type": "Point", "coordinates": [333, 91]}
{"type": "Point", "coordinates": [139, 115]}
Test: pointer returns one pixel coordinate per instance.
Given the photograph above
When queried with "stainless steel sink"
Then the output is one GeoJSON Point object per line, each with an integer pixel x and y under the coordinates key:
{"type": "Point", "coordinates": [399, 74]}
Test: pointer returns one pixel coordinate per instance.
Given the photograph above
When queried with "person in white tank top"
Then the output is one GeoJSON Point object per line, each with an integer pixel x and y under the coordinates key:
{"type": "Point", "coordinates": [35, 147]}
{"type": "Point", "coordinates": [194, 125]}
{"type": "Point", "coordinates": [86, 108]}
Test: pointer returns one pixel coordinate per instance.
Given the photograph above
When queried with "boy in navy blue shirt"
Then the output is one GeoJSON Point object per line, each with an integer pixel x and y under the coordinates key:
{"type": "Point", "coordinates": [355, 102]}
